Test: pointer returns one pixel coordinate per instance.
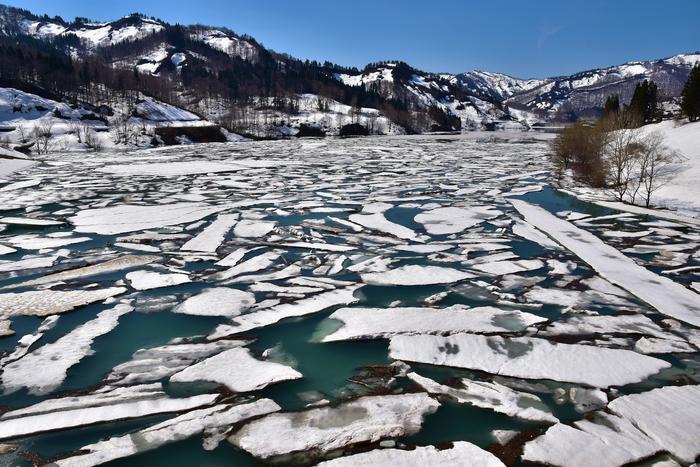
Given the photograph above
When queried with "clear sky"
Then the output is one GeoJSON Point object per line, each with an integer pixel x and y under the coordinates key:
{"type": "Point", "coordinates": [524, 38]}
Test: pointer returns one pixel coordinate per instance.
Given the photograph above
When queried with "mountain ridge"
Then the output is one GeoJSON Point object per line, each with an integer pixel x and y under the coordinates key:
{"type": "Point", "coordinates": [233, 79]}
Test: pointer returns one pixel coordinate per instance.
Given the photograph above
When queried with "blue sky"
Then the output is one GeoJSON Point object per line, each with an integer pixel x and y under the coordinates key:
{"type": "Point", "coordinates": [524, 38]}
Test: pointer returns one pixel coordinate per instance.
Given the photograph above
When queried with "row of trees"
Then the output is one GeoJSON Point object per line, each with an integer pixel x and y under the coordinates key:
{"type": "Point", "coordinates": [627, 161]}
{"type": "Point", "coordinates": [642, 109]}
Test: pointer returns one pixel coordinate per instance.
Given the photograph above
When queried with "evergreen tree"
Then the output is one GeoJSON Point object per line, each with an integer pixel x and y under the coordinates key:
{"type": "Point", "coordinates": [644, 104]}
{"type": "Point", "coordinates": [690, 97]}
{"type": "Point", "coordinates": [612, 105]}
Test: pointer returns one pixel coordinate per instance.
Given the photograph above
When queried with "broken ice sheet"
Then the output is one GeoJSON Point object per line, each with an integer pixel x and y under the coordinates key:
{"type": "Point", "coordinates": [50, 302]}
{"type": "Point", "coordinates": [324, 429]}
{"type": "Point", "coordinates": [634, 428]}
{"type": "Point", "coordinates": [492, 396]}
{"type": "Point", "coordinates": [450, 220]}
{"type": "Point", "coordinates": [106, 405]}
{"type": "Point", "coordinates": [217, 301]}
{"type": "Point", "coordinates": [207, 420]}
{"type": "Point", "coordinates": [147, 280]}
{"type": "Point", "coordinates": [374, 323]}
{"type": "Point", "coordinates": [530, 358]}
{"type": "Point", "coordinates": [238, 370]}
{"type": "Point", "coordinates": [44, 369]}
{"type": "Point", "coordinates": [416, 275]}
{"type": "Point", "coordinates": [458, 454]}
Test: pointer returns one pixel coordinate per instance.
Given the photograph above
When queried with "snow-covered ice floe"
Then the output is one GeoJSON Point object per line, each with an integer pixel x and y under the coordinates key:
{"type": "Point", "coordinates": [211, 237]}
{"type": "Point", "coordinates": [214, 421]}
{"type": "Point", "coordinates": [374, 323]}
{"type": "Point", "coordinates": [494, 396]}
{"type": "Point", "coordinates": [451, 220]}
{"type": "Point", "coordinates": [113, 265]}
{"type": "Point", "coordinates": [103, 406]}
{"type": "Point", "coordinates": [50, 302]}
{"type": "Point", "coordinates": [44, 369]}
{"type": "Point", "coordinates": [130, 218]}
{"type": "Point", "coordinates": [667, 296]}
{"type": "Point", "coordinates": [147, 280]}
{"type": "Point", "coordinates": [634, 428]}
{"type": "Point", "coordinates": [272, 315]}
{"type": "Point", "coordinates": [238, 370]}
{"type": "Point", "coordinates": [323, 429]}
{"type": "Point", "coordinates": [217, 301]}
{"type": "Point", "coordinates": [416, 275]}
{"type": "Point", "coordinates": [458, 454]}
{"type": "Point", "coordinates": [531, 358]}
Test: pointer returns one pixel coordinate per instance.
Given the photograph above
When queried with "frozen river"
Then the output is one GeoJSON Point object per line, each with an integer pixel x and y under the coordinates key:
{"type": "Point", "coordinates": [422, 300]}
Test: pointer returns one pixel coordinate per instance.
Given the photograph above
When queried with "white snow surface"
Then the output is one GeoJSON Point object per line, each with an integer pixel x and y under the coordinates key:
{"type": "Point", "coordinates": [238, 370]}
{"type": "Point", "coordinates": [130, 218]}
{"type": "Point", "coordinates": [100, 407]}
{"type": "Point", "coordinates": [420, 456]}
{"type": "Point", "coordinates": [491, 395]}
{"type": "Point", "coordinates": [416, 275]}
{"type": "Point", "coordinates": [530, 358]}
{"type": "Point", "coordinates": [44, 369]}
{"type": "Point", "coordinates": [373, 323]}
{"type": "Point", "coordinates": [305, 306]}
{"type": "Point", "coordinates": [324, 429]}
{"type": "Point", "coordinates": [451, 220]}
{"type": "Point", "coordinates": [176, 429]}
{"type": "Point", "coordinates": [217, 301]}
{"type": "Point", "coordinates": [667, 296]}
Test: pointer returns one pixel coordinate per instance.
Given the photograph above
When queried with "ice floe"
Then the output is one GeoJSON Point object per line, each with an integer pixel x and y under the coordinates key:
{"type": "Point", "coordinates": [208, 420]}
{"type": "Point", "coordinates": [238, 370]}
{"type": "Point", "coordinates": [157, 363]}
{"type": "Point", "coordinates": [458, 454]}
{"type": "Point", "coordinates": [636, 427]}
{"type": "Point", "coordinates": [327, 428]}
{"type": "Point", "coordinates": [130, 218]}
{"type": "Point", "coordinates": [100, 407]}
{"type": "Point", "coordinates": [147, 280]}
{"type": "Point", "coordinates": [373, 323]}
{"type": "Point", "coordinates": [44, 369]}
{"type": "Point", "coordinates": [667, 296]}
{"type": "Point", "coordinates": [378, 222]}
{"type": "Point", "coordinates": [500, 268]}
{"type": "Point", "coordinates": [218, 301]}
{"type": "Point", "coordinates": [494, 396]}
{"type": "Point", "coordinates": [248, 228]}
{"type": "Point", "coordinates": [113, 265]}
{"type": "Point", "coordinates": [416, 275]}
{"type": "Point", "coordinates": [209, 239]}
{"type": "Point", "coordinates": [51, 302]}
{"type": "Point", "coordinates": [451, 220]}
{"type": "Point", "coordinates": [529, 358]}
{"type": "Point", "coordinates": [306, 306]}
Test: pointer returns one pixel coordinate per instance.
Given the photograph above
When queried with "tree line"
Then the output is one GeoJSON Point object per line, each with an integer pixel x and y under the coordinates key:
{"type": "Point", "coordinates": [616, 153]}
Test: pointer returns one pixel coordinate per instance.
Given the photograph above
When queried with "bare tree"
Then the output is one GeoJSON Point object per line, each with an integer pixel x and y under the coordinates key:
{"type": "Point", "coordinates": [124, 130]}
{"type": "Point", "coordinates": [655, 165]}
{"type": "Point", "coordinates": [621, 149]}
{"type": "Point", "coordinates": [90, 138]}
{"type": "Point", "coordinates": [43, 135]}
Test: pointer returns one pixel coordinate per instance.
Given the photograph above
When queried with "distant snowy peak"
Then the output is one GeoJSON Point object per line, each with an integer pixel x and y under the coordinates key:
{"type": "Point", "coordinates": [94, 35]}
{"type": "Point", "coordinates": [368, 77]}
{"type": "Point", "coordinates": [226, 42]}
{"type": "Point", "coordinates": [496, 85]}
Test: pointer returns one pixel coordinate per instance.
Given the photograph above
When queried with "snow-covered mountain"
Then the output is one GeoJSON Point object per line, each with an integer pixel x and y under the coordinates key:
{"type": "Point", "coordinates": [585, 92]}
{"type": "Point", "coordinates": [233, 81]}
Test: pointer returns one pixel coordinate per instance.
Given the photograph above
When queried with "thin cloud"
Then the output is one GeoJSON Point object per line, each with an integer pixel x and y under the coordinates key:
{"type": "Point", "coordinates": [545, 35]}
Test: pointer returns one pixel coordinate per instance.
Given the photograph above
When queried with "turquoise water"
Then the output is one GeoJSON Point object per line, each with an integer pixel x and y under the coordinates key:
{"type": "Point", "coordinates": [328, 368]}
